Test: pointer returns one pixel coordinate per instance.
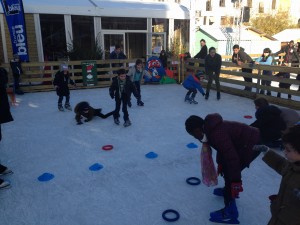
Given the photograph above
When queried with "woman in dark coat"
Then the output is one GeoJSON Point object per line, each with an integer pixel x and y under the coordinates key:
{"type": "Point", "coordinates": [5, 117]}
{"type": "Point", "coordinates": [233, 142]}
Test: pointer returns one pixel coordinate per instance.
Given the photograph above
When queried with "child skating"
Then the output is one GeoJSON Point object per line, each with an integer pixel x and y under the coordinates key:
{"type": "Point", "coordinates": [61, 82]}
{"type": "Point", "coordinates": [192, 84]}
{"type": "Point", "coordinates": [285, 205]}
{"type": "Point", "coordinates": [120, 90]}
{"type": "Point", "coordinates": [84, 110]}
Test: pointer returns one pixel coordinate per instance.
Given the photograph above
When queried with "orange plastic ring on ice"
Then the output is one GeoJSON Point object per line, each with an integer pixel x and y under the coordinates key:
{"type": "Point", "coordinates": [107, 147]}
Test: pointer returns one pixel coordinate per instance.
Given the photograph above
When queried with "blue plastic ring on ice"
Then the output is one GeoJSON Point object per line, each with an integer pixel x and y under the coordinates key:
{"type": "Point", "coordinates": [193, 181]}
{"type": "Point", "coordinates": [170, 219]}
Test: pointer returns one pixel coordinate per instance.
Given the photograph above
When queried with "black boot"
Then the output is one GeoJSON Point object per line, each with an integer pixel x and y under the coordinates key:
{"type": "Point", "coordinates": [289, 96]}
{"type": "Point", "coordinates": [269, 93]}
{"type": "Point", "coordinates": [218, 95]}
{"type": "Point", "coordinates": [262, 92]}
{"type": "Point", "coordinates": [207, 95]}
{"type": "Point", "coordinates": [278, 95]}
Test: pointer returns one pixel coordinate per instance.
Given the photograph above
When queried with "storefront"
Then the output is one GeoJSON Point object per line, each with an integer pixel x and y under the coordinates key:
{"type": "Point", "coordinates": [140, 28]}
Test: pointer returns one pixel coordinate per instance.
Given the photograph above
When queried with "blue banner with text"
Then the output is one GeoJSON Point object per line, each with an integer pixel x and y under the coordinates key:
{"type": "Point", "coordinates": [14, 12]}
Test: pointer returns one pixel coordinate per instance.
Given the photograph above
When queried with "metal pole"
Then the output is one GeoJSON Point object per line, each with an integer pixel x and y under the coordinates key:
{"type": "Point", "coordinates": [240, 20]}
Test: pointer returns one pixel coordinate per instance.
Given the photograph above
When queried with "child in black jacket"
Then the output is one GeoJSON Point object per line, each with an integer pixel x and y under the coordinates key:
{"type": "Point", "coordinates": [83, 109]}
{"type": "Point", "coordinates": [121, 89]}
{"type": "Point", "coordinates": [61, 82]}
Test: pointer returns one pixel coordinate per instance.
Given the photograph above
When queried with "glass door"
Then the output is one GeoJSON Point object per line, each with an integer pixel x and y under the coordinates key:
{"type": "Point", "coordinates": [110, 40]}
{"type": "Point", "coordinates": [158, 43]}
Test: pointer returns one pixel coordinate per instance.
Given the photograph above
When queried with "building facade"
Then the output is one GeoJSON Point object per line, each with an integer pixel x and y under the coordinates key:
{"type": "Point", "coordinates": [140, 28]}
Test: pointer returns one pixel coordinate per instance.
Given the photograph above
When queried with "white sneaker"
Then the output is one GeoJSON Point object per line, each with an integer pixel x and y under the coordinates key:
{"type": "Point", "coordinates": [4, 184]}
{"type": "Point", "coordinates": [6, 172]}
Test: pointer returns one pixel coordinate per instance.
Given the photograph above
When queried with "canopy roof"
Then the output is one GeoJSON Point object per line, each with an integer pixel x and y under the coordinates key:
{"type": "Point", "coordinates": [141, 9]}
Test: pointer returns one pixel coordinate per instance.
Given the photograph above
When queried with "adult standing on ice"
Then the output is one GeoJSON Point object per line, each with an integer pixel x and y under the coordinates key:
{"type": "Point", "coordinates": [233, 142]}
{"type": "Point", "coordinates": [5, 116]}
{"type": "Point", "coordinates": [213, 62]}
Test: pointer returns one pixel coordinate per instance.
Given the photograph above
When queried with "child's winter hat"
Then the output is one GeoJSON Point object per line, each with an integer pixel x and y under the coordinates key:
{"type": "Point", "coordinates": [64, 67]}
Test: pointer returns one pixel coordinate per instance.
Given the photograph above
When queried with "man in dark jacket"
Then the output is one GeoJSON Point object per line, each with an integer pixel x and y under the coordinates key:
{"type": "Point", "coordinates": [16, 68]}
{"type": "Point", "coordinates": [213, 62]}
{"type": "Point", "coordinates": [291, 55]}
{"type": "Point", "coordinates": [202, 53]}
{"type": "Point", "coordinates": [269, 122]}
{"type": "Point", "coordinates": [83, 109]}
{"type": "Point", "coordinates": [117, 54]}
{"type": "Point", "coordinates": [5, 117]}
{"type": "Point", "coordinates": [233, 142]}
{"type": "Point", "coordinates": [120, 90]}
{"type": "Point", "coordinates": [239, 57]}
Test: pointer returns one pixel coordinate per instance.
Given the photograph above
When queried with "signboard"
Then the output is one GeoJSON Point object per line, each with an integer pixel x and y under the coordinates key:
{"type": "Point", "coordinates": [89, 73]}
{"type": "Point", "coordinates": [14, 12]}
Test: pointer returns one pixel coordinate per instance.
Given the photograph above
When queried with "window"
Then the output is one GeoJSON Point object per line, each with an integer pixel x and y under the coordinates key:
{"type": "Point", "coordinates": [261, 8]}
{"type": "Point", "coordinates": [123, 23]}
{"type": "Point", "coordinates": [208, 5]}
{"type": "Point", "coordinates": [83, 31]}
{"type": "Point", "coordinates": [222, 3]}
{"type": "Point", "coordinates": [53, 36]}
{"type": "Point", "coordinates": [273, 4]}
{"type": "Point", "coordinates": [249, 3]}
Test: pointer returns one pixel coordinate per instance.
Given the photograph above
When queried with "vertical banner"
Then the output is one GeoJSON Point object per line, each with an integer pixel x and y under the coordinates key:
{"type": "Point", "coordinates": [14, 12]}
{"type": "Point", "coordinates": [89, 73]}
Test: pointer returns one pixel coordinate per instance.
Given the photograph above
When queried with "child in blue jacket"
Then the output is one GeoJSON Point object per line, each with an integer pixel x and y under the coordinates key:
{"type": "Point", "coordinates": [192, 84]}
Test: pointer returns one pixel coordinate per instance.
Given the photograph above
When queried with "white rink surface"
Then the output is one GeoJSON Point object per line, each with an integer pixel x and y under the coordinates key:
{"type": "Point", "coordinates": [131, 189]}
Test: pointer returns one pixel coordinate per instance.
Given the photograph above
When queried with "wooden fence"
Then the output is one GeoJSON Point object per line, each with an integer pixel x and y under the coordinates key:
{"type": "Point", "coordinates": [38, 76]}
{"type": "Point", "coordinates": [232, 81]}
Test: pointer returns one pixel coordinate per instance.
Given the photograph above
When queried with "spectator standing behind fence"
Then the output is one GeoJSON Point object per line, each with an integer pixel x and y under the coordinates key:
{"type": "Point", "coordinates": [202, 53]}
{"type": "Point", "coordinates": [239, 57]}
{"type": "Point", "coordinates": [17, 70]}
{"type": "Point", "coordinates": [164, 58]}
{"type": "Point", "coordinates": [291, 55]}
{"type": "Point", "coordinates": [265, 59]}
{"type": "Point", "coordinates": [298, 53]}
{"type": "Point", "coordinates": [213, 62]}
{"type": "Point", "coordinates": [283, 75]}
{"type": "Point", "coordinates": [117, 54]}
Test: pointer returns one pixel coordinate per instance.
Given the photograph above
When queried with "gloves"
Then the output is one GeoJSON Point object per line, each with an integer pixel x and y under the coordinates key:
{"type": "Point", "coordinates": [236, 188]}
{"type": "Point", "coordinates": [260, 148]}
{"type": "Point", "coordinates": [220, 170]}
{"type": "Point", "coordinates": [79, 122]}
{"type": "Point", "coordinates": [112, 96]}
{"type": "Point", "coordinates": [297, 193]}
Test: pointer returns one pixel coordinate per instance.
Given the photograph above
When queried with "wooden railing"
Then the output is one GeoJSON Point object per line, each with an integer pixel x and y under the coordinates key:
{"type": "Point", "coordinates": [232, 81]}
{"type": "Point", "coordinates": [38, 76]}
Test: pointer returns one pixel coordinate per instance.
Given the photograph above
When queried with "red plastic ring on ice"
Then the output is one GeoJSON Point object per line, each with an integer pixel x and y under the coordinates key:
{"type": "Point", "coordinates": [107, 147]}
{"type": "Point", "coordinates": [248, 117]}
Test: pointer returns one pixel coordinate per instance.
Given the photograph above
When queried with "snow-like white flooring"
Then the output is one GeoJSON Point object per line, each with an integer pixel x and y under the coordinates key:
{"type": "Point", "coordinates": [130, 189]}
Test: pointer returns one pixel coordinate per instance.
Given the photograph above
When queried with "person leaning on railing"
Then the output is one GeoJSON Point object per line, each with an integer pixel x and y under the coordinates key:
{"type": "Point", "coordinates": [265, 59]}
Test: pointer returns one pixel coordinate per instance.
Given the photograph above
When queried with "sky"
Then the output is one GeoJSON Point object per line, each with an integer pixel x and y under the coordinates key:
{"type": "Point", "coordinates": [128, 188]}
